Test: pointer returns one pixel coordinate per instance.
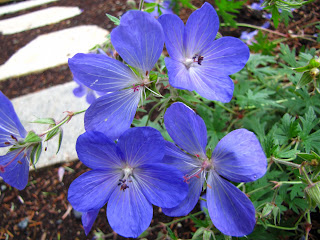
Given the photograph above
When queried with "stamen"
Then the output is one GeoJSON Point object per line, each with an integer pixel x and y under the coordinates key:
{"type": "Point", "coordinates": [199, 59]}
{"type": "Point", "coordinates": [186, 178]}
{"type": "Point", "coordinates": [123, 182]}
{"type": "Point", "coordinates": [7, 143]}
{"type": "Point", "coordinates": [206, 165]}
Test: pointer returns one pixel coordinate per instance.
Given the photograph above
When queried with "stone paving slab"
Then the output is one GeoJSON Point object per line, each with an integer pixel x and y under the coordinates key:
{"type": "Point", "coordinates": [52, 49]}
{"type": "Point", "coordinates": [16, 7]}
{"type": "Point", "coordinates": [53, 102]}
{"type": "Point", "coordinates": [37, 19]}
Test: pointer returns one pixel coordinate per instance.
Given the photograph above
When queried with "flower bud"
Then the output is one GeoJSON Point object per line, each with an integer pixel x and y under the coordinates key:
{"type": "Point", "coordinates": [313, 192]}
{"type": "Point", "coordinates": [314, 72]}
{"type": "Point", "coordinates": [267, 209]}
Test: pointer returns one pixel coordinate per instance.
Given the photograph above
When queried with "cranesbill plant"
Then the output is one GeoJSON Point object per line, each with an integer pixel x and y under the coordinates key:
{"type": "Point", "coordinates": [139, 41]}
{"type": "Point", "coordinates": [237, 157]}
{"type": "Point", "coordinates": [199, 62]}
{"type": "Point", "coordinates": [129, 175]}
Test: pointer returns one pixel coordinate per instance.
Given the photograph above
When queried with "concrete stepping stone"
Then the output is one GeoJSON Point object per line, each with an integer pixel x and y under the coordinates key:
{"type": "Point", "coordinates": [16, 7]}
{"type": "Point", "coordinates": [51, 50]}
{"type": "Point", "coordinates": [37, 19]}
{"type": "Point", "coordinates": [53, 102]}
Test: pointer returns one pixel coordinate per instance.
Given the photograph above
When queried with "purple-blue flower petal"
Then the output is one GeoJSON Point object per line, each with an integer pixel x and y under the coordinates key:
{"type": "Point", "coordinates": [217, 86]}
{"type": "Point", "coordinates": [225, 56]}
{"type": "Point", "coordinates": [179, 76]}
{"type": "Point", "coordinates": [179, 159]}
{"type": "Point", "coordinates": [129, 212]}
{"type": "Point", "coordinates": [17, 172]}
{"type": "Point", "coordinates": [230, 210]}
{"type": "Point", "coordinates": [90, 96]}
{"type": "Point", "coordinates": [239, 157]}
{"type": "Point", "coordinates": [97, 151]}
{"type": "Point", "coordinates": [161, 184]}
{"type": "Point", "coordinates": [112, 113]}
{"type": "Point", "coordinates": [79, 91]}
{"type": "Point", "coordinates": [201, 29]}
{"type": "Point", "coordinates": [101, 73]}
{"type": "Point", "coordinates": [173, 28]}
{"type": "Point", "coordinates": [186, 206]}
{"type": "Point", "coordinates": [142, 145]}
{"type": "Point", "coordinates": [186, 128]}
{"type": "Point", "coordinates": [139, 40]}
{"type": "Point", "coordinates": [88, 219]}
{"type": "Point", "coordinates": [91, 190]}
{"type": "Point", "coordinates": [9, 123]}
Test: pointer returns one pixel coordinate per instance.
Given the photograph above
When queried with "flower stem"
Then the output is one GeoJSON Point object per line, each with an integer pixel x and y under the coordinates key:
{"type": "Point", "coordinates": [141, 5]}
{"type": "Point", "coordinates": [287, 163]}
{"type": "Point", "coordinates": [63, 121]}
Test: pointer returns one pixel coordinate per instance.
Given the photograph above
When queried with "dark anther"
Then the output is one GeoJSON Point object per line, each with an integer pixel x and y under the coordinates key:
{"type": "Point", "coordinates": [7, 143]}
{"type": "Point", "coordinates": [19, 162]}
{"type": "Point", "coordinates": [197, 58]}
{"type": "Point", "coordinates": [124, 187]}
{"type": "Point", "coordinates": [200, 59]}
{"type": "Point", "coordinates": [14, 138]}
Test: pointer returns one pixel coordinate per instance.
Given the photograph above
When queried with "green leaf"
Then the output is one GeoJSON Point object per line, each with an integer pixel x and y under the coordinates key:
{"type": "Point", "coordinates": [288, 128]}
{"type": "Point", "coordinates": [32, 137]}
{"type": "Point", "coordinates": [115, 20]}
{"type": "Point", "coordinates": [171, 234]}
{"type": "Point", "coordinates": [35, 153]}
{"type": "Point", "coordinates": [263, 44]}
{"type": "Point", "coordinates": [288, 56]}
{"type": "Point", "coordinates": [309, 156]}
{"type": "Point", "coordinates": [60, 140]}
{"type": "Point", "coordinates": [45, 121]}
{"type": "Point", "coordinates": [227, 6]}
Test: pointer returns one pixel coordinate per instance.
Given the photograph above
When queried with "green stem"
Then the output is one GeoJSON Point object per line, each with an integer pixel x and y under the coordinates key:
{"type": "Point", "coordinates": [290, 182]}
{"type": "Point", "coordinates": [63, 121]}
{"type": "Point", "coordinates": [282, 228]}
{"type": "Point", "coordinates": [141, 5]}
{"type": "Point", "coordinates": [256, 27]}
{"type": "Point", "coordinates": [285, 37]}
{"type": "Point", "coordinates": [296, 5]}
{"type": "Point", "coordinates": [308, 227]}
{"type": "Point", "coordinates": [258, 189]}
{"type": "Point", "coordinates": [306, 176]}
{"type": "Point", "coordinates": [151, 111]}
{"type": "Point", "coordinates": [290, 164]}
{"type": "Point", "coordinates": [226, 108]}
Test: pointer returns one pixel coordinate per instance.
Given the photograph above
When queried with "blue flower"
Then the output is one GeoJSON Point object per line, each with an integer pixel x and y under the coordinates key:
{"type": "Point", "coordinates": [14, 166]}
{"type": "Point", "coordinates": [237, 157]}
{"type": "Point", "coordinates": [129, 175]}
{"type": "Point", "coordinates": [199, 62]}
{"type": "Point", "coordinates": [139, 41]}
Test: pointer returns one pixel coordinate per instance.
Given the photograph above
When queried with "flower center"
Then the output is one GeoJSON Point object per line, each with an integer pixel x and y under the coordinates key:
{"type": "Point", "coordinates": [205, 166]}
{"type": "Point", "coordinates": [197, 58]}
{"type": "Point", "coordinates": [127, 173]}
